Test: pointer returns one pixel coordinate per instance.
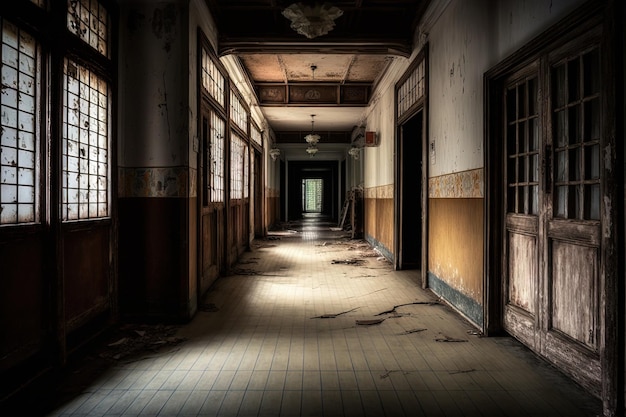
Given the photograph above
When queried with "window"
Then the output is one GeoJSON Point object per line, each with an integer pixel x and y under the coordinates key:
{"type": "Point", "coordinates": [89, 20]}
{"type": "Point", "coordinates": [246, 170]}
{"type": "Point", "coordinates": [522, 139]}
{"type": "Point", "coordinates": [85, 144]}
{"type": "Point", "coordinates": [577, 128]}
{"type": "Point", "coordinates": [255, 135]}
{"type": "Point", "coordinates": [212, 80]}
{"type": "Point", "coordinates": [217, 158]}
{"type": "Point", "coordinates": [412, 89]}
{"type": "Point", "coordinates": [238, 112]}
{"type": "Point", "coordinates": [312, 195]}
{"type": "Point", "coordinates": [237, 147]}
{"type": "Point", "coordinates": [20, 137]}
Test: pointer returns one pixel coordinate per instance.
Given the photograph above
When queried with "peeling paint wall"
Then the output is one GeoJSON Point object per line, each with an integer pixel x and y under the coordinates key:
{"type": "Point", "coordinates": [156, 220]}
{"type": "Point", "coordinates": [466, 38]}
{"type": "Point", "coordinates": [153, 84]}
{"type": "Point", "coordinates": [378, 175]}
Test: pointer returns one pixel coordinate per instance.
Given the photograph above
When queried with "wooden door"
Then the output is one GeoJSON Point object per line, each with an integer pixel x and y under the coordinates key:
{"type": "Point", "coordinates": [211, 184]}
{"type": "Point", "coordinates": [554, 201]}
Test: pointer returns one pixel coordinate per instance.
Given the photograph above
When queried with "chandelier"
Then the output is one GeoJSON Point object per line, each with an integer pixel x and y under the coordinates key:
{"type": "Point", "coordinates": [312, 138]}
{"type": "Point", "coordinates": [312, 21]}
{"type": "Point", "coordinates": [311, 150]}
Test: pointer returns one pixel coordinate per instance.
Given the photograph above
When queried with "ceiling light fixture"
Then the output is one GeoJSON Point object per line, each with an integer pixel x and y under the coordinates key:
{"type": "Point", "coordinates": [311, 150]}
{"type": "Point", "coordinates": [274, 153]}
{"type": "Point", "coordinates": [312, 21]}
{"type": "Point", "coordinates": [312, 138]}
{"type": "Point", "coordinates": [354, 152]}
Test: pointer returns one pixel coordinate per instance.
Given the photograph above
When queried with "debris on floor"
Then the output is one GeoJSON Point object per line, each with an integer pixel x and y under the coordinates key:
{"type": "Point", "coordinates": [393, 310]}
{"type": "Point", "coordinates": [135, 342]}
{"type": "Point", "coordinates": [368, 322]}
{"type": "Point", "coordinates": [244, 271]}
{"type": "Point", "coordinates": [333, 315]}
{"type": "Point", "coordinates": [449, 339]}
{"type": "Point", "coordinates": [461, 371]}
{"type": "Point", "coordinates": [477, 333]}
{"type": "Point", "coordinates": [209, 308]}
{"type": "Point", "coordinates": [352, 261]}
{"type": "Point", "coordinates": [411, 331]}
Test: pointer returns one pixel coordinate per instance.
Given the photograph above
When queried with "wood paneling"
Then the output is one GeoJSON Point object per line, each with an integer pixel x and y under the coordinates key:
{"type": "Point", "coordinates": [86, 274]}
{"type": "Point", "coordinates": [456, 243]}
{"type": "Point", "coordinates": [152, 257]}
{"type": "Point", "coordinates": [22, 290]}
{"type": "Point", "coordinates": [378, 220]}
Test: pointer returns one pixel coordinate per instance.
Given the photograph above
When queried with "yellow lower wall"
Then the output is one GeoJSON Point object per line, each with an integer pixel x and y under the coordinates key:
{"type": "Point", "coordinates": [378, 215]}
{"type": "Point", "coordinates": [455, 244]}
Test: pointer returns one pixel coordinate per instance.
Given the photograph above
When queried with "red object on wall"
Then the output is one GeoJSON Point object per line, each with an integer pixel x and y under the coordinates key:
{"type": "Point", "coordinates": [370, 139]}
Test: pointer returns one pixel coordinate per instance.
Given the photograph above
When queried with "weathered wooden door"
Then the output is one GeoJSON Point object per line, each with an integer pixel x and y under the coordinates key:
{"type": "Point", "coordinates": [553, 131]}
{"type": "Point", "coordinates": [211, 195]}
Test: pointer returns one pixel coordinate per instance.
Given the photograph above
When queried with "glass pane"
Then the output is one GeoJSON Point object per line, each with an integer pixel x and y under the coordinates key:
{"type": "Point", "coordinates": [511, 198]}
{"type": "Point", "coordinates": [559, 91]}
{"type": "Point", "coordinates": [511, 171]}
{"type": "Point", "coordinates": [511, 139]}
{"type": "Point", "coordinates": [592, 120]}
{"type": "Point", "coordinates": [592, 162]}
{"type": "Point", "coordinates": [521, 137]}
{"type": "Point", "coordinates": [521, 170]}
{"type": "Point", "coordinates": [533, 134]}
{"type": "Point", "coordinates": [561, 201]}
{"type": "Point", "coordinates": [533, 168]}
{"type": "Point", "coordinates": [521, 101]}
{"type": "Point", "coordinates": [561, 166]}
{"type": "Point", "coordinates": [573, 80]}
{"type": "Point", "coordinates": [574, 164]}
{"type": "Point", "coordinates": [592, 201]}
{"type": "Point", "coordinates": [523, 197]}
{"type": "Point", "coordinates": [591, 76]}
{"type": "Point", "coordinates": [561, 128]}
{"type": "Point", "coordinates": [532, 97]}
{"type": "Point", "coordinates": [573, 125]}
{"type": "Point", "coordinates": [510, 105]}
{"type": "Point", "coordinates": [534, 199]}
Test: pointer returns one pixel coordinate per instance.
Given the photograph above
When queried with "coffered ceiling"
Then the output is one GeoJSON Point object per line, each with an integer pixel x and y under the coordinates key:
{"type": "Point", "coordinates": [332, 75]}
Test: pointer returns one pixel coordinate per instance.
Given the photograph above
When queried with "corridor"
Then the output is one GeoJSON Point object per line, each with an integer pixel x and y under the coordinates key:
{"type": "Point", "coordinates": [312, 323]}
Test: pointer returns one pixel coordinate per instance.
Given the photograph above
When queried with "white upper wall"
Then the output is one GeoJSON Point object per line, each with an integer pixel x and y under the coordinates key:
{"type": "Point", "coordinates": [153, 84]}
{"type": "Point", "coordinates": [458, 57]}
{"type": "Point", "coordinates": [466, 38]}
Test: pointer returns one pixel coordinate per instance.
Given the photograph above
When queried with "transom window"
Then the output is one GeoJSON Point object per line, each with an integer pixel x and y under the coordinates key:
{"type": "Point", "coordinates": [212, 79]}
{"type": "Point", "coordinates": [238, 112]}
{"type": "Point", "coordinates": [412, 89]}
{"type": "Point", "coordinates": [89, 20]}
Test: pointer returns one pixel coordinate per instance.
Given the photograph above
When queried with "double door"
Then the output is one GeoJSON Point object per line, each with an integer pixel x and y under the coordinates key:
{"type": "Point", "coordinates": [555, 196]}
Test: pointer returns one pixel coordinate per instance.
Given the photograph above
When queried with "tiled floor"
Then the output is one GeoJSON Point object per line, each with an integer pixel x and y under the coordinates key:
{"type": "Point", "coordinates": [307, 327]}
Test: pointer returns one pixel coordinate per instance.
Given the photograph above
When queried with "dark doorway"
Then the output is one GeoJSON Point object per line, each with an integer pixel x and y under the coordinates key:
{"type": "Point", "coordinates": [410, 192]}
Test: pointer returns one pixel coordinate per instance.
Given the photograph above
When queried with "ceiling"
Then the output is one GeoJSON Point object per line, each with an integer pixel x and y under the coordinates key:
{"type": "Point", "coordinates": [330, 76]}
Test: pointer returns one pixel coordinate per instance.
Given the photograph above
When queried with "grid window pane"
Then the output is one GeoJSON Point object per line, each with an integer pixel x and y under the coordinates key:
{"type": "Point", "coordinates": [89, 20]}
{"type": "Point", "coordinates": [85, 144]}
{"type": "Point", "coordinates": [577, 132]}
{"type": "Point", "coordinates": [522, 144]}
{"type": "Point", "coordinates": [411, 90]}
{"type": "Point", "coordinates": [236, 166]}
{"type": "Point", "coordinates": [212, 80]}
{"type": "Point", "coordinates": [238, 113]}
{"type": "Point", "coordinates": [19, 110]}
{"type": "Point", "coordinates": [217, 158]}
